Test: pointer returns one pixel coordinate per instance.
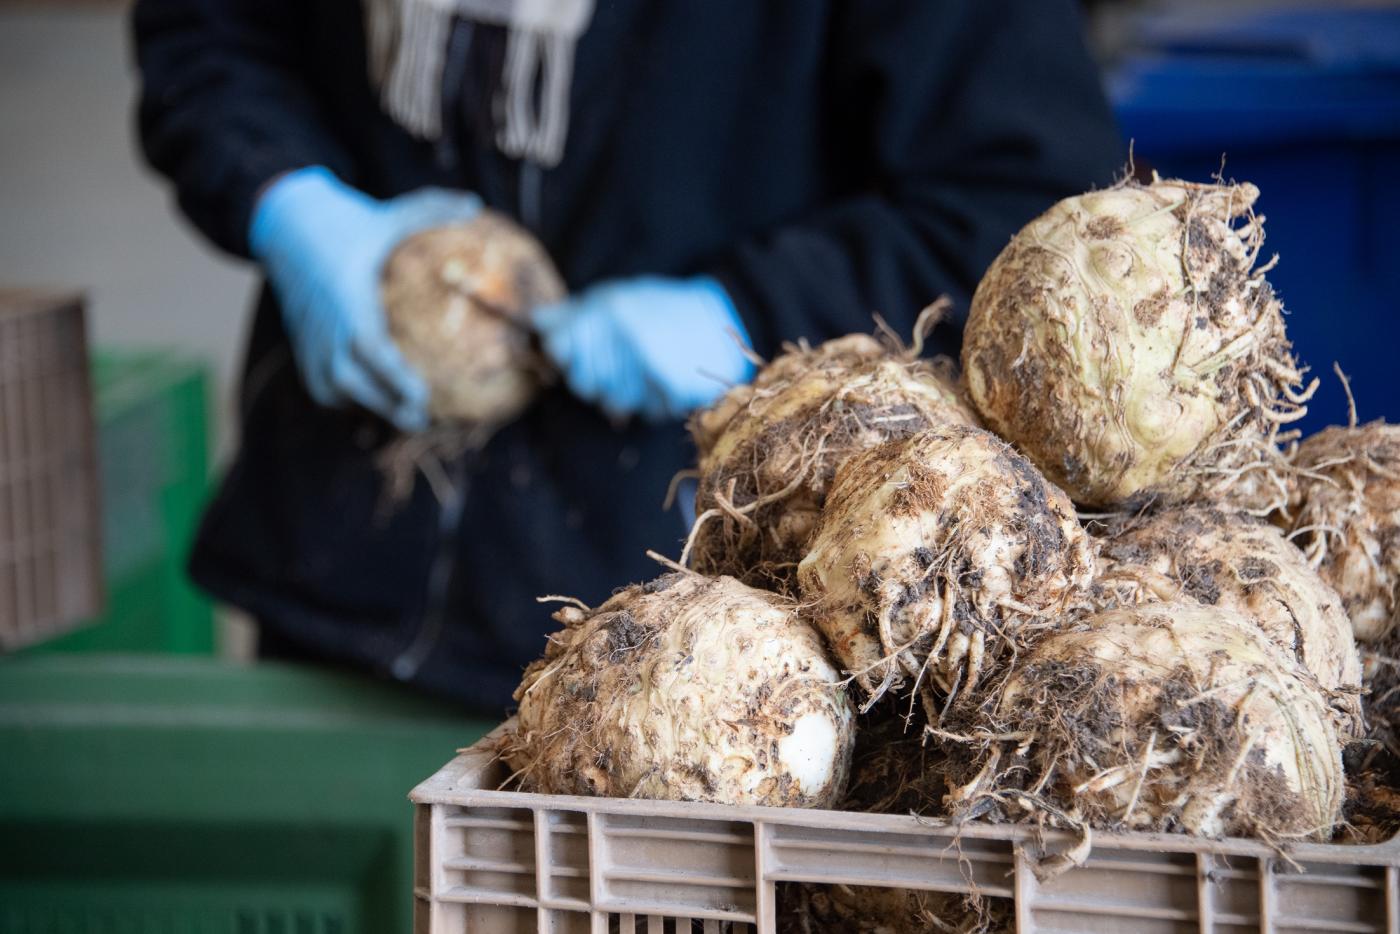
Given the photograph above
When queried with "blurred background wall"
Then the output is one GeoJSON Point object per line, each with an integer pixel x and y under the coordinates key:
{"type": "Point", "coordinates": [80, 209]}
{"type": "Point", "coordinates": [168, 313]}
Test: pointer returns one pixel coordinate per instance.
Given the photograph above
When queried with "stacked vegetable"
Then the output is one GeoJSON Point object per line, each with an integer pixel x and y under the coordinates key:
{"type": "Point", "coordinates": [686, 687]}
{"type": "Point", "coordinates": [769, 450]}
{"type": "Point", "coordinates": [457, 300]}
{"type": "Point", "coordinates": [920, 588]}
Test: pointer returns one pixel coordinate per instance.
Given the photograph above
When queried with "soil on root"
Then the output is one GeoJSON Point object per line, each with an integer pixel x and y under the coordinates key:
{"type": "Point", "coordinates": [896, 767]}
{"type": "Point", "coordinates": [1372, 763]}
{"type": "Point", "coordinates": [1240, 563]}
{"type": "Point", "coordinates": [685, 688]}
{"type": "Point", "coordinates": [787, 468]}
{"type": "Point", "coordinates": [1372, 811]}
{"type": "Point", "coordinates": [822, 908]}
{"type": "Point", "coordinates": [768, 451]}
{"type": "Point", "coordinates": [1046, 756]}
{"type": "Point", "coordinates": [936, 558]}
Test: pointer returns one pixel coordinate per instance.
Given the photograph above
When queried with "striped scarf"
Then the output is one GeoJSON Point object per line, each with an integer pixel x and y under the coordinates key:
{"type": "Point", "coordinates": [408, 48]}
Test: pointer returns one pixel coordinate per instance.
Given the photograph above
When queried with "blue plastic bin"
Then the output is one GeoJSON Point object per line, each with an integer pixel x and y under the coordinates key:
{"type": "Point", "coordinates": [1305, 103]}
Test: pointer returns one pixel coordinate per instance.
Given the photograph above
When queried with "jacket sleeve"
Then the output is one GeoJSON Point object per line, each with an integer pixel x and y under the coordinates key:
{"type": "Point", "coordinates": [224, 107]}
{"type": "Point", "coordinates": [969, 118]}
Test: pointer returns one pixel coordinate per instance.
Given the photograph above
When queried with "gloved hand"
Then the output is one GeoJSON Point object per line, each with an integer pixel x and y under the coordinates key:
{"type": "Point", "coordinates": [322, 244]}
{"type": "Point", "coordinates": [655, 347]}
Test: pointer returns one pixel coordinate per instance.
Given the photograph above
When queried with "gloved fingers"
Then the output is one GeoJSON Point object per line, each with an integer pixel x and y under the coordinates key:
{"type": "Point", "coordinates": [585, 372]}
{"type": "Point", "coordinates": [563, 337]}
{"type": "Point", "coordinates": [677, 398]}
{"type": "Point", "coordinates": [549, 319]}
{"type": "Point", "coordinates": [596, 350]}
{"type": "Point", "coordinates": [360, 386]}
{"type": "Point", "coordinates": [598, 364]}
{"type": "Point", "coordinates": [350, 383]}
{"type": "Point", "coordinates": [315, 376]}
{"type": "Point", "coordinates": [399, 392]}
{"type": "Point", "coordinates": [702, 387]}
{"type": "Point", "coordinates": [679, 383]}
{"type": "Point", "coordinates": [314, 344]}
{"type": "Point", "coordinates": [622, 393]}
{"type": "Point", "coordinates": [433, 207]}
{"type": "Point", "coordinates": [301, 208]}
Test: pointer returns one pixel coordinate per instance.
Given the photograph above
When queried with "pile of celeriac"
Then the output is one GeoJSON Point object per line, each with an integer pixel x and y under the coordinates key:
{"type": "Point", "coordinates": [1093, 582]}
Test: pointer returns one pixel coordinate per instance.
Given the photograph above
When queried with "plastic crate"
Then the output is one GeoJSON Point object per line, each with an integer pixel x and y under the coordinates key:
{"type": "Point", "coordinates": [499, 862]}
{"type": "Point", "coordinates": [181, 795]}
{"type": "Point", "coordinates": [153, 446]}
{"type": "Point", "coordinates": [50, 559]}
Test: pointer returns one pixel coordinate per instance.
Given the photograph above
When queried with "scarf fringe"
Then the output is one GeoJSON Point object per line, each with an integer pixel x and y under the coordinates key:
{"type": "Point", "coordinates": [408, 49]}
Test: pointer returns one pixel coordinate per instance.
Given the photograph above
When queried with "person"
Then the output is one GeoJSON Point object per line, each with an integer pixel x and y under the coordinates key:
{"type": "Point", "coordinates": [705, 175]}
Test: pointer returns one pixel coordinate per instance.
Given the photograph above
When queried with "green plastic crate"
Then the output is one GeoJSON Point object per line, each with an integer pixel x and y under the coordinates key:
{"type": "Point", "coordinates": [153, 451]}
{"type": "Point", "coordinates": [155, 794]}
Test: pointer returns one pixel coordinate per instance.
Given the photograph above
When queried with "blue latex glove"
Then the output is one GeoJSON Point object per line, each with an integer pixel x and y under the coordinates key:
{"type": "Point", "coordinates": [654, 347]}
{"type": "Point", "coordinates": [322, 244]}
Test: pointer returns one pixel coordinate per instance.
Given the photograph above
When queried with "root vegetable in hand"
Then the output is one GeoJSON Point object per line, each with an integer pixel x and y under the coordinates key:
{"type": "Point", "coordinates": [480, 369]}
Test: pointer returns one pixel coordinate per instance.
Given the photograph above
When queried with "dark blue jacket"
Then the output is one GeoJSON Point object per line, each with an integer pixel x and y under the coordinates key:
{"type": "Point", "coordinates": [824, 159]}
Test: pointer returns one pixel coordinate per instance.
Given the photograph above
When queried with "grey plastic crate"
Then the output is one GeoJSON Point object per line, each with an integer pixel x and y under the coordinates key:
{"type": "Point", "coordinates": [499, 862]}
{"type": "Point", "coordinates": [50, 523]}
